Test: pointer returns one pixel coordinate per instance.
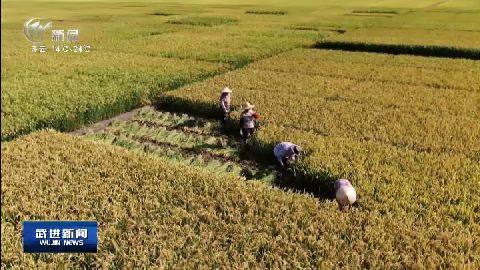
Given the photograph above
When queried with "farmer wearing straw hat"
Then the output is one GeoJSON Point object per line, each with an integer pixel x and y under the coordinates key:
{"type": "Point", "coordinates": [225, 104]}
{"type": "Point", "coordinates": [286, 152]}
{"type": "Point", "coordinates": [247, 122]}
{"type": "Point", "coordinates": [345, 194]}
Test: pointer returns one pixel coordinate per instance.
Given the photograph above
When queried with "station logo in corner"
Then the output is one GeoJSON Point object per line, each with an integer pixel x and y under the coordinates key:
{"type": "Point", "coordinates": [34, 31]}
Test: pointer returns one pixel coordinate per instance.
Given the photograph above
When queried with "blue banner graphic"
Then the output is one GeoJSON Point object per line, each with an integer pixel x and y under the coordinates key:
{"type": "Point", "coordinates": [60, 236]}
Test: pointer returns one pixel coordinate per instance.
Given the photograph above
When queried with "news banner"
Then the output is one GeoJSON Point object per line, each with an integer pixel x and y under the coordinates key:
{"type": "Point", "coordinates": [60, 236]}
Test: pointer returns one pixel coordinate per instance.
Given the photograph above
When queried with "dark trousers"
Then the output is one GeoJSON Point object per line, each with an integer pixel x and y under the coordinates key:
{"type": "Point", "coordinates": [246, 133]}
{"type": "Point", "coordinates": [282, 168]}
{"type": "Point", "coordinates": [225, 117]}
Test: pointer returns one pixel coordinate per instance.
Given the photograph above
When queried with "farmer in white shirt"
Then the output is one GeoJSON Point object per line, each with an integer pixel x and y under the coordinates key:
{"type": "Point", "coordinates": [344, 193]}
{"type": "Point", "coordinates": [248, 120]}
{"type": "Point", "coordinates": [286, 152]}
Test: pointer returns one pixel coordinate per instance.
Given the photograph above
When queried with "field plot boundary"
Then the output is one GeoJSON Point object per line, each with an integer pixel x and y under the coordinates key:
{"type": "Point", "coordinates": [420, 50]}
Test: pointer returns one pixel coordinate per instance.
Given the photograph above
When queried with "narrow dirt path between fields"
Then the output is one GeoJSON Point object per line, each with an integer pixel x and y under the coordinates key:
{"type": "Point", "coordinates": [101, 125]}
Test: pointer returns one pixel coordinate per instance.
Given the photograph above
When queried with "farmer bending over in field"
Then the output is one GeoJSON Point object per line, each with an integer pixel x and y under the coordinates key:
{"type": "Point", "coordinates": [344, 193]}
{"type": "Point", "coordinates": [286, 152]}
{"type": "Point", "coordinates": [247, 122]}
{"type": "Point", "coordinates": [225, 104]}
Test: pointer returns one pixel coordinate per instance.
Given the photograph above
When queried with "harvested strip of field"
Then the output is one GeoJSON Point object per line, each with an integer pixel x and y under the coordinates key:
{"type": "Point", "coordinates": [156, 213]}
{"type": "Point", "coordinates": [186, 139]}
{"type": "Point", "coordinates": [373, 11]}
{"type": "Point", "coordinates": [163, 14]}
{"type": "Point", "coordinates": [266, 12]}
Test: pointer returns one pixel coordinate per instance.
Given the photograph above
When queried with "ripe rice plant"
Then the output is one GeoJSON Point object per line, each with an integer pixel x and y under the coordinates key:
{"type": "Point", "coordinates": [403, 129]}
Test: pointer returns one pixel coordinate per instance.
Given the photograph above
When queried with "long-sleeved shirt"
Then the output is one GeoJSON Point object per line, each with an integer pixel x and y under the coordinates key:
{"type": "Point", "coordinates": [247, 120]}
{"type": "Point", "coordinates": [284, 150]}
{"type": "Point", "coordinates": [225, 103]}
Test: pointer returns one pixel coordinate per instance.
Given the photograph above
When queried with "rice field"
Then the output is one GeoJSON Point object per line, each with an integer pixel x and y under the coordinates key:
{"type": "Point", "coordinates": [409, 146]}
{"type": "Point", "coordinates": [158, 213]}
{"type": "Point", "coordinates": [172, 189]}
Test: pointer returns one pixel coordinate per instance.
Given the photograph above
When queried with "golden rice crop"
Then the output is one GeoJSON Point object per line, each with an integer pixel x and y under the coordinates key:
{"type": "Point", "coordinates": [155, 213]}
{"type": "Point", "coordinates": [96, 87]}
{"type": "Point", "coordinates": [411, 149]}
{"type": "Point", "coordinates": [438, 37]}
{"type": "Point", "coordinates": [128, 60]}
{"type": "Point", "coordinates": [421, 113]}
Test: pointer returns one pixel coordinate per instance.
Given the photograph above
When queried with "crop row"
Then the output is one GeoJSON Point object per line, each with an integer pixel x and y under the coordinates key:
{"type": "Point", "coordinates": [156, 213]}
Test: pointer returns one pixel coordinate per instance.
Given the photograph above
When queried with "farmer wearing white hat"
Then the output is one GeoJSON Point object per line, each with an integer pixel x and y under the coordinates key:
{"type": "Point", "coordinates": [225, 104]}
{"type": "Point", "coordinates": [286, 152]}
{"type": "Point", "coordinates": [247, 122]}
{"type": "Point", "coordinates": [344, 193]}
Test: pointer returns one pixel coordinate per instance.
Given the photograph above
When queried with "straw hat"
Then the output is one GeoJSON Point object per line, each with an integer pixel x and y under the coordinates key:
{"type": "Point", "coordinates": [226, 90]}
{"type": "Point", "coordinates": [249, 106]}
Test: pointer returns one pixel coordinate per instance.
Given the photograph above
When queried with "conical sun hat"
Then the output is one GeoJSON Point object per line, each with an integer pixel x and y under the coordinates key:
{"type": "Point", "coordinates": [346, 195]}
{"type": "Point", "coordinates": [226, 90]}
{"type": "Point", "coordinates": [249, 106]}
